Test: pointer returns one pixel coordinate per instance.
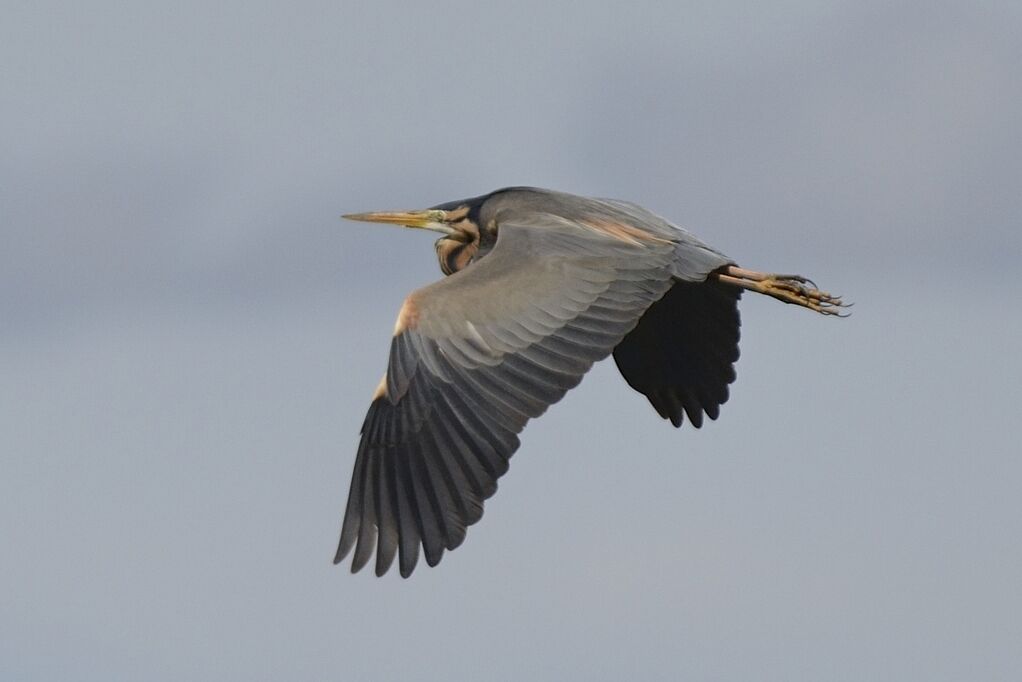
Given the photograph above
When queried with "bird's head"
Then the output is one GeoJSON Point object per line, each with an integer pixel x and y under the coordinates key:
{"type": "Point", "coordinates": [457, 221]}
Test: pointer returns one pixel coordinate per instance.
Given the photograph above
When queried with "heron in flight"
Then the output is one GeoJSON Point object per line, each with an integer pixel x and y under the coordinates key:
{"type": "Point", "coordinates": [540, 285]}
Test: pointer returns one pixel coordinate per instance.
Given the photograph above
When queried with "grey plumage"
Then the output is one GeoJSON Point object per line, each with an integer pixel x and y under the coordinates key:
{"type": "Point", "coordinates": [548, 284]}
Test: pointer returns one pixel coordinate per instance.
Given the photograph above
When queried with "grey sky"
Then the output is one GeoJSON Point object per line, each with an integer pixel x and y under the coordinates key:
{"type": "Point", "coordinates": [190, 335]}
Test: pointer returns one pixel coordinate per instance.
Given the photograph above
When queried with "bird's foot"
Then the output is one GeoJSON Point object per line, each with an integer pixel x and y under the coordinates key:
{"type": "Point", "coordinates": [794, 289]}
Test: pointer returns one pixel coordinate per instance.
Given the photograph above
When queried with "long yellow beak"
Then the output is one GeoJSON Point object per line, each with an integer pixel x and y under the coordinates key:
{"type": "Point", "coordinates": [431, 219]}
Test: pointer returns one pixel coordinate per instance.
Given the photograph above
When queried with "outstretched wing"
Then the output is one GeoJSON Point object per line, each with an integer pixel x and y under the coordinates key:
{"type": "Point", "coordinates": [474, 357]}
{"type": "Point", "coordinates": [682, 353]}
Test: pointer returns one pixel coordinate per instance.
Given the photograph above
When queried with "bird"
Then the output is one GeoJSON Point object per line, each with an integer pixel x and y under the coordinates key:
{"type": "Point", "coordinates": [538, 286]}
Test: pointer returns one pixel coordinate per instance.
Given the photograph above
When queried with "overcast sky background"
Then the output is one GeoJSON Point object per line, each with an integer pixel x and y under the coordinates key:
{"type": "Point", "coordinates": [189, 336]}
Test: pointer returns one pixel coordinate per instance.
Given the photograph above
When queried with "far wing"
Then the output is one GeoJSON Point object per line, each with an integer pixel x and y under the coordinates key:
{"type": "Point", "coordinates": [474, 357]}
{"type": "Point", "coordinates": [682, 353]}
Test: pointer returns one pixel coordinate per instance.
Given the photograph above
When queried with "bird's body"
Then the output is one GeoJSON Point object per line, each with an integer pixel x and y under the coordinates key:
{"type": "Point", "coordinates": [540, 286]}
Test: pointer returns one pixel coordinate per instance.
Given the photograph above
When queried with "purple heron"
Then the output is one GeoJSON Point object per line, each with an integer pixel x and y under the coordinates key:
{"type": "Point", "coordinates": [540, 285]}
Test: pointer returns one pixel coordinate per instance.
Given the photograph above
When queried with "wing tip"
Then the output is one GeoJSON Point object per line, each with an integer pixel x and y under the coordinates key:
{"type": "Point", "coordinates": [433, 558]}
{"type": "Point", "coordinates": [343, 548]}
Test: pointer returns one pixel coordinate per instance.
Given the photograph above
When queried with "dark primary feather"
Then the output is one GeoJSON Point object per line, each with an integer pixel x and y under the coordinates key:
{"type": "Point", "coordinates": [478, 354]}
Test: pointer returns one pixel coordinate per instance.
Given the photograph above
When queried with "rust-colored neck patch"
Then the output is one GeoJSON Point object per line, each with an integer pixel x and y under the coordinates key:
{"type": "Point", "coordinates": [457, 250]}
{"type": "Point", "coordinates": [455, 255]}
